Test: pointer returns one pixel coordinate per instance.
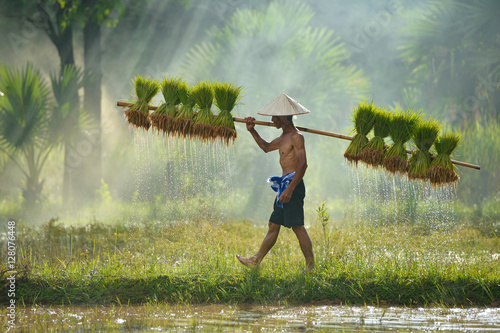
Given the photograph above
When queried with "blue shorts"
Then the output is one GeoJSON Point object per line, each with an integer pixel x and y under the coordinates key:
{"type": "Point", "coordinates": [292, 213]}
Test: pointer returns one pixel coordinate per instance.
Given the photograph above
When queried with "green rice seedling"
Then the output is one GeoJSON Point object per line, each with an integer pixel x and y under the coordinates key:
{"type": "Point", "coordinates": [373, 153]}
{"type": "Point", "coordinates": [184, 119]}
{"type": "Point", "coordinates": [162, 118]}
{"type": "Point", "coordinates": [226, 96]}
{"type": "Point", "coordinates": [401, 127]}
{"type": "Point", "coordinates": [203, 95]}
{"type": "Point", "coordinates": [423, 137]}
{"type": "Point", "coordinates": [363, 118]}
{"type": "Point", "coordinates": [441, 169]}
{"type": "Point", "coordinates": [145, 90]}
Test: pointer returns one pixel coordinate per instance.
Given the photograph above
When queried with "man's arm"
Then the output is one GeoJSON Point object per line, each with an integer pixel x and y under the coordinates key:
{"type": "Point", "coordinates": [263, 144]}
{"type": "Point", "coordinates": [300, 154]}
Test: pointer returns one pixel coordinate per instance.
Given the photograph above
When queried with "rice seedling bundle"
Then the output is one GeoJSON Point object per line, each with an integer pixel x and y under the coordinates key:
{"type": "Point", "coordinates": [202, 94]}
{"type": "Point", "coordinates": [424, 136]}
{"type": "Point", "coordinates": [401, 126]}
{"type": "Point", "coordinates": [145, 90]}
{"type": "Point", "coordinates": [162, 118]}
{"type": "Point", "coordinates": [363, 118]}
{"type": "Point", "coordinates": [226, 96]}
{"type": "Point", "coordinates": [373, 152]}
{"type": "Point", "coordinates": [441, 169]}
{"type": "Point", "coordinates": [183, 121]}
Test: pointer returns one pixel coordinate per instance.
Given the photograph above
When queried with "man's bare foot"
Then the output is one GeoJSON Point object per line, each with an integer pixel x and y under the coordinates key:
{"type": "Point", "coordinates": [247, 262]}
{"type": "Point", "coordinates": [308, 269]}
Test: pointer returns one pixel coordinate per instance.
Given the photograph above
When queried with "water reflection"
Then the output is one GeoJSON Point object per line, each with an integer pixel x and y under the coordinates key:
{"type": "Point", "coordinates": [248, 318]}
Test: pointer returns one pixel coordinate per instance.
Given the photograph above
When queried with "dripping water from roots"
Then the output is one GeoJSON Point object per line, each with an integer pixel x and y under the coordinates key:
{"type": "Point", "coordinates": [379, 198]}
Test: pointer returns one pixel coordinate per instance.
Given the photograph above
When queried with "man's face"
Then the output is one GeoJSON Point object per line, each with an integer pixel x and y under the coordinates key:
{"type": "Point", "coordinates": [277, 121]}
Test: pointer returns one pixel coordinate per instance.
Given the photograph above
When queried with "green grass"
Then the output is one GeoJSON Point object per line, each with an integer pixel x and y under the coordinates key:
{"type": "Point", "coordinates": [195, 262]}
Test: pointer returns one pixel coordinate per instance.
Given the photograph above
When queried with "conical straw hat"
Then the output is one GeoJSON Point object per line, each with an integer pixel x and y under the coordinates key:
{"type": "Point", "coordinates": [283, 105]}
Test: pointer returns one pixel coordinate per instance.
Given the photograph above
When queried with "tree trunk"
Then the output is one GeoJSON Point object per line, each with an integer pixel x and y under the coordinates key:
{"type": "Point", "coordinates": [64, 45]}
{"type": "Point", "coordinates": [63, 41]}
{"type": "Point", "coordinates": [92, 104]}
{"type": "Point", "coordinates": [62, 38]}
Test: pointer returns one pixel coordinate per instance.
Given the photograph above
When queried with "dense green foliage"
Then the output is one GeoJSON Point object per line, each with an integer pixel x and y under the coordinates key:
{"type": "Point", "coordinates": [25, 133]}
{"type": "Point", "coordinates": [169, 88]}
{"type": "Point", "coordinates": [373, 152]}
{"type": "Point", "coordinates": [401, 126]}
{"type": "Point", "coordinates": [478, 188]}
{"type": "Point", "coordinates": [423, 137]}
{"type": "Point", "coordinates": [145, 90]}
{"type": "Point", "coordinates": [363, 118]}
{"type": "Point", "coordinates": [441, 169]}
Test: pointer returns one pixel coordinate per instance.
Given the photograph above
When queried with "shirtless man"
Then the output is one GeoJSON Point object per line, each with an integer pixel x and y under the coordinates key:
{"type": "Point", "coordinates": [292, 158]}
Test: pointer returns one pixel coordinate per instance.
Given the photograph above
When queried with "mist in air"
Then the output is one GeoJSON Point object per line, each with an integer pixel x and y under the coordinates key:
{"type": "Point", "coordinates": [327, 55]}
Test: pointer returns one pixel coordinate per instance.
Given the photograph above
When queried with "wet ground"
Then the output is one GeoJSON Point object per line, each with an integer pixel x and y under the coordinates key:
{"type": "Point", "coordinates": [248, 318]}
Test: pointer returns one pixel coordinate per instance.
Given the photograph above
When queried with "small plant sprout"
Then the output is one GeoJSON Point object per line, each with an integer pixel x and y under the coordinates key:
{"type": "Point", "coordinates": [162, 118]}
{"type": "Point", "coordinates": [441, 170]}
{"type": "Point", "coordinates": [203, 95]}
{"type": "Point", "coordinates": [226, 96]}
{"type": "Point", "coordinates": [184, 118]}
{"type": "Point", "coordinates": [363, 119]}
{"type": "Point", "coordinates": [324, 218]}
{"type": "Point", "coordinates": [423, 137]}
{"type": "Point", "coordinates": [401, 127]}
{"type": "Point", "coordinates": [145, 90]}
{"type": "Point", "coordinates": [373, 153]}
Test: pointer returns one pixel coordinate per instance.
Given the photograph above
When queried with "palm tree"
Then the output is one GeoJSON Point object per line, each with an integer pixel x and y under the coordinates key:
{"type": "Point", "coordinates": [275, 50]}
{"type": "Point", "coordinates": [68, 120]}
{"type": "Point", "coordinates": [24, 130]}
{"type": "Point", "coordinates": [453, 48]}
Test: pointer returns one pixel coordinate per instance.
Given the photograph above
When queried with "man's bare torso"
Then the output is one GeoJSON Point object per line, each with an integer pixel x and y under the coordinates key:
{"type": "Point", "coordinates": [288, 158]}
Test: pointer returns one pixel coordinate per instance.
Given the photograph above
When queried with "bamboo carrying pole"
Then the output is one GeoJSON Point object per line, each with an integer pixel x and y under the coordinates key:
{"type": "Point", "coordinates": [310, 130]}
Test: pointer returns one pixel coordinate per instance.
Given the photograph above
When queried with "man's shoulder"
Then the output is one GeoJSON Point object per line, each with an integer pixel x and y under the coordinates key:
{"type": "Point", "coordinates": [292, 134]}
{"type": "Point", "coordinates": [297, 135]}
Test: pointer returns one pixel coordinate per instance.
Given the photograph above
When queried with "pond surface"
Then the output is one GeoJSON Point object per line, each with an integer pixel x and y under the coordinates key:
{"type": "Point", "coordinates": [251, 318]}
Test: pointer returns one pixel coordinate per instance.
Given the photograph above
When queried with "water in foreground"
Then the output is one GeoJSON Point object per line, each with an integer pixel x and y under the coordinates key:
{"type": "Point", "coordinates": [249, 318]}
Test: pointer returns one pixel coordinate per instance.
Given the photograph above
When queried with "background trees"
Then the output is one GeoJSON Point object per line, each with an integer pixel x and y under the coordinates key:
{"type": "Point", "coordinates": [437, 56]}
{"type": "Point", "coordinates": [453, 50]}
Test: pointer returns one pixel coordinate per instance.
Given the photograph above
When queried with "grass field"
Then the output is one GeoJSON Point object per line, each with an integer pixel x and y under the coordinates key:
{"type": "Point", "coordinates": [194, 263]}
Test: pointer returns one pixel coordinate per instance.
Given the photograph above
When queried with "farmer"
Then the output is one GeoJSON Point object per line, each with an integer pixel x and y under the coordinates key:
{"type": "Point", "coordinates": [289, 203]}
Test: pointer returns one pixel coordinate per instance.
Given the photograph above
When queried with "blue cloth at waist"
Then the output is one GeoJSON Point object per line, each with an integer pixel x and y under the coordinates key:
{"type": "Point", "coordinates": [279, 184]}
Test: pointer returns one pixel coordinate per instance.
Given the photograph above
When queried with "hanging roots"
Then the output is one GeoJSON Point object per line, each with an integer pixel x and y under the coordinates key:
{"type": "Point", "coordinates": [203, 131]}
{"type": "Point", "coordinates": [395, 164]}
{"type": "Point", "coordinates": [161, 122]}
{"type": "Point", "coordinates": [225, 134]}
{"type": "Point", "coordinates": [355, 148]}
{"type": "Point", "coordinates": [137, 119]}
{"type": "Point", "coordinates": [373, 157]}
{"type": "Point", "coordinates": [439, 175]}
{"type": "Point", "coordinates": [183, 126]}
{"type": "Point", "coordinates": [373, 152]}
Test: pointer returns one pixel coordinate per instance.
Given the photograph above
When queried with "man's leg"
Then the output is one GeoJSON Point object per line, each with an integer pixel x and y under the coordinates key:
{"type": "Point", "coordinates": [305, 245]}
{"type": "Point", "coordinates": [267, 244]}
